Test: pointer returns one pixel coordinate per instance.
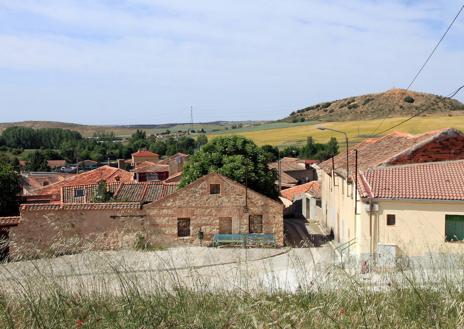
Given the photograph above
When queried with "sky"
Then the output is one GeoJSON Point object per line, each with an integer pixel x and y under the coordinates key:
{"type": "Point", "coordinates": [149, 61]}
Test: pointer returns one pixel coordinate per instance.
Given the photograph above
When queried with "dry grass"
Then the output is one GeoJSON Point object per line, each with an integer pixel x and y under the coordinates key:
{"type": "Point", "coordinates": [357, 130]}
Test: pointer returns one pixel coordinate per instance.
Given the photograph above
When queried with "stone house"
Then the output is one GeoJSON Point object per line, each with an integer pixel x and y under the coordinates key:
{"type": "Point", "coordinates": [358, 218]}
{"type": "Point", "coordinates": [216, 204]}
{"type": "Point", "coordinates": [142, 156]}
{"type": "Point", "coordinates": [293, 171]}
{"type": "Point", "coordinates": [212, 204]}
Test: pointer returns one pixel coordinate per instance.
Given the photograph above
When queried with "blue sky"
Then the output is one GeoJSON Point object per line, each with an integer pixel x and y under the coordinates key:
{"type": "Point", "coordinates": [148, 61]}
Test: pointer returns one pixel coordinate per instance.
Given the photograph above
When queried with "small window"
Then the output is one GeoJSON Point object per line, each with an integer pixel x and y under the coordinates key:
{"type": "Point", "coordinates": [318, 203]}
{"type": "Point", "coordinates": [80, 192]}
{"type": "Point", "coordinates": [183, 227]}
{"type": "Point", "coordinates": [256, 224]}
{"type": "Point", "coordinates": [215, 189]}
{"type": "Point", "coordinates": [454, 227]}
{"type": "Point", "coordinates": [391, 220]}
{"type": "Point", "coordinates": [45, 183]}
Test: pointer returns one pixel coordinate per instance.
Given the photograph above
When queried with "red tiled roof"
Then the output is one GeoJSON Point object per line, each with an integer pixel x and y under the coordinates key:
{"type": "Point", "coordinates": [9, 221]}
{"type": "Point", "coordinates": [176, 157]}
{"type": "Point", "coordinates": [312, 187]}
{"type": "Point", "coordinates": [174, 178]}
{"type": "Point", "coordinates": [104, 173]}
{"type": "Point", "coordinates": [374, 152]}
{"type": "Point", "coordinates": [151, 167]}
{"type": "Point", "coordinates": [32, 181]}
{"type": "Point", "coordinates": [144, 154]}
{"type": "Point", "coordinates": [288, 164]}
{"type": "Point", "coordinates": [56, 163]}
{"type": "Point", "coordinates": [81, 206]}
{"type": "Point", "coordinates": [432, 181]}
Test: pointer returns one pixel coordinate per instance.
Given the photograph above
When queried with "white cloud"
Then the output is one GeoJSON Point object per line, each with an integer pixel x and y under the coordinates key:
{"type": "Point", "coordinates": [146, 59]}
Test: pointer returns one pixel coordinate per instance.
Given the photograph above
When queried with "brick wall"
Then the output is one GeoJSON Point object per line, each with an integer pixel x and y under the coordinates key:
{"type": "Point", "coordinates": [443, 148]}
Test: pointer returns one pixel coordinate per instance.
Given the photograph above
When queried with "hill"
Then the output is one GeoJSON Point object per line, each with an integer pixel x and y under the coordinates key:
{"type": "Point", "coordinates": [127, 130]}
{"type": "Point", "coordinates": [392, 103]}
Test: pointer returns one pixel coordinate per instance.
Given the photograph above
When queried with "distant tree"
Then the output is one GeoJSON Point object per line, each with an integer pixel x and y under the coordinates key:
{"type": "Point", "coordinates": [9, 190]}
{"type": "Point", "coordinates": [36, 161]}
{"type": "Point", "coordinates": [138, 135]}
{"type": "Point", "coordinates": [310, 150]}
{"type": "Point", "coordinates": [102, 194]}
{"type": "Point", "coordinates": [201, 140]}
{"type": "Point", "coordinates": [159, 147]}
{"type": "Point", "coordinates": [291, 151]}
{"type": "Point", "coordinates": [271, 153]}
{"type": "Point", "coordinates": [332, 147]}
{"type": "Point", "coordinates": [236, 157]}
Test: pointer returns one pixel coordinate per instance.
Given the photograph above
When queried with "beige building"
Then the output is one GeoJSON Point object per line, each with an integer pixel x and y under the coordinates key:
{"type": "Point", "coordinates": [360, 210]}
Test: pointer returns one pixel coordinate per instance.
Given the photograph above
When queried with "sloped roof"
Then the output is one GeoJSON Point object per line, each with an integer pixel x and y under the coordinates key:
{"type": "Point", "coordinates": [82, 206]}
{"type": "Point", "coordinates": [288, 164]}
{"type": "Point", "coordinates": [177, 177]}
{"type": "Point", "coordinates": [32, 181]}
{"type": "Point", "coordinates": [104, 173]}
{"type": "Point", "coordinates": [148, 166]}
{"type": "Point", "coordinates": [431, 181]}
{"type": "Point", "coordinates": [375, 152]}
{"type": "Point", "coordinates": [9, 221]}
{"type": "Point", "coordinates": [56, 163]}
{"type": "Point", "coordinates": [144, 154]}
{"type": "Point", "coordinates": [174, 157]}
{"type": "Point", "coordinates": [312, 187]}
{"type": "Point", "coordinates": [122, 192]}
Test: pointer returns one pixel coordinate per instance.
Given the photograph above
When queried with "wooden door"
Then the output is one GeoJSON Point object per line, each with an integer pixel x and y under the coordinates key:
{"type": "Point", "coordinates": [225, 225]}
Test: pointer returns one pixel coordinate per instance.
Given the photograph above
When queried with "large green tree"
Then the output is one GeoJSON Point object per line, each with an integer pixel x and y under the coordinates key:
{"type": "Point", "coordinates": [236, 157]}
{"type": "Point", "coordinates": [36, 161]}
{"type": "Point", "coordinates": [9, 190]}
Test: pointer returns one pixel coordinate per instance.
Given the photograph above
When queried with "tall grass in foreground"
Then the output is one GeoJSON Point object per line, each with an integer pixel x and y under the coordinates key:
{"type": "Point", "coordinates": [104, 292]}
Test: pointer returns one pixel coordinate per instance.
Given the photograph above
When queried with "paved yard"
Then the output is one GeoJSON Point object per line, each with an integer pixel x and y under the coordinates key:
{"type": "Point", "coordinates": [193, 267]}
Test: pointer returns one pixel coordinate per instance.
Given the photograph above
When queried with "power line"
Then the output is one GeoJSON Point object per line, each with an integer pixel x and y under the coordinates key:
{"type": "Point", "coordinates": [417, 114]}
{"type": "Point", "coordinates": [455, 92]}
{"type": "Point", "coordinates": [419, 72]}
{"type": "Point", "coordinates": [435, 48]}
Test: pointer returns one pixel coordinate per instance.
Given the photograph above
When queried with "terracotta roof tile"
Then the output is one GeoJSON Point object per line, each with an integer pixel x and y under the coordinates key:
{"type": "Point", "coordinates": [144, 154]}
{"type": "Point", "coordinates": [104, 173]}
{"type": "Point", "coordinates": [148, 166]}
{"type": "Point", "coordinates": [9, 221]}
{"type": "Point", "coordinates": [432, 181]}
{"type": "Point", "coordinates": [81, 206]}
{"type": "Point", "coordinates": [312, 187]}
{"type": "Point", "coordinates": [374, 152]}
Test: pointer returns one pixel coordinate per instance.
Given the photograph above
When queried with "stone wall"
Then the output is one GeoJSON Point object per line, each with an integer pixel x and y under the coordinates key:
{"type": "Point", "coordinates": [205, 210]}
{"type": "Point", "coordinates": [68, 228]}
{"type": "Point", "coordinates": [60, 229]}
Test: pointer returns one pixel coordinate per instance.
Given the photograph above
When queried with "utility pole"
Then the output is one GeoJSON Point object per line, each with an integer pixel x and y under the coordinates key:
{"type": "Point", "coordinates": [191, 118]}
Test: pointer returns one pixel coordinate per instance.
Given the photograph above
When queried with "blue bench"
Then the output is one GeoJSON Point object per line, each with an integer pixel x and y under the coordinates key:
{"type": "Point", "coordinates": [252, 239]}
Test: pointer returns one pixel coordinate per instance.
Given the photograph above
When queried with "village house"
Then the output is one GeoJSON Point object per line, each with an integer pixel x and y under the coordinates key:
{"type": "Point", "coordinates": [150, 171]}
{"type": "Point", "coordinates": [51, 193]}
{"type": "Point", "coordinates": [367, 210]}
{"type": "Point", "coordinates": [87, 165]}
{"type": "Point", "coordinates": [175, 162]}
{"type": "Point", "coordinates": [32, 181]}
{"type": "Point", "coordinates": [305, 200]}
{"type": "Point", "coordinates": [211, 205]}
{"type": "Point", "coordinates": [293, 171]}
{"type": "Point", "coordinates": [142, 156]}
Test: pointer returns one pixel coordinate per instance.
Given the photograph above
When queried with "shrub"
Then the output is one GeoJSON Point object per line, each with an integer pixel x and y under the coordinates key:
{"type": "Point", "coordinates": [409, 99]}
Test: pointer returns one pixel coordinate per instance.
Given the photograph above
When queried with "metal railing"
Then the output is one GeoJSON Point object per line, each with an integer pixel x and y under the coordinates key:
{"type": "Point", "coordinates": [343, 248]}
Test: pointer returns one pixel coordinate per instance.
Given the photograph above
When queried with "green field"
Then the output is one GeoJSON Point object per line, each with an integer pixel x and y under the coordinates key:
{"type": "Point", "coordinates": [356, 130]}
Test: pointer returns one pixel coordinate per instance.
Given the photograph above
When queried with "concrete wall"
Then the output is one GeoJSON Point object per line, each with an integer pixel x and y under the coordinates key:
{"type": "Point", "coordinates": [338, 208]}
{"type": "Point", "coordinates": [419, 229]}
{"type": "Point", "coordinates": [204, 210]}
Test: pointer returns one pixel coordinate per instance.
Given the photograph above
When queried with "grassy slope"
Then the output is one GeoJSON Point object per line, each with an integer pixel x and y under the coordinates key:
{"type": "Point", "coordinates": [297, 133]}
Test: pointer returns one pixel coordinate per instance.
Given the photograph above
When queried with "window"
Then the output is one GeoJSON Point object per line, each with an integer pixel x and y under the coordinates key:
{"type": "Point", "coordinates": [225, 225]}
{"type": "Point", "coordinates": [318, 203]}
{"type": "Point", "coordinates": [80, 192]}
{"type": "Point", "coordinates": [454, 227]}
{"type": "Point", "coordinates": [256, 224]}
{"type": "Point", "coordinates": [391, 220]}
{"type": "Point", "coordinates": [215, 189]}
{"type": "Point", "coordinates": [183, 227]}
